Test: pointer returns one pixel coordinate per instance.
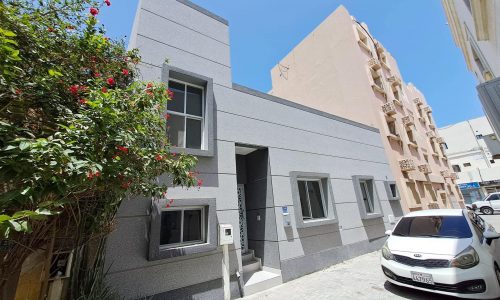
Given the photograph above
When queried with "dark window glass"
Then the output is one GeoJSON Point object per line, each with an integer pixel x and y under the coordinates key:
{"type": "Point", "coordinates": [170, 227]}
{"type": "Point", "coordinates": [175, 130]}
{"type": "Point", "coordinates": [194, 105]}
{"type": "Point", "coordinates": [315, 200]}
{"type": "Point", "coordinates": [434, 226]}
{"type": "Point", "coordinates": [367, 194]}
{"type": "Point", "coordinates": [456, 168]}
{"type": "Point", "coordinates": [192, 225]}
{"type": "Point", "coordinates": [394, 190]}
{"type": "Point", "coordinates": [494, 197]}
{"type": "Point", "coordinates": [304, 205]}
{"type": "Point", "coordinates": [193, 133]}
{"type": "Point", "coordinates": [177, 103]}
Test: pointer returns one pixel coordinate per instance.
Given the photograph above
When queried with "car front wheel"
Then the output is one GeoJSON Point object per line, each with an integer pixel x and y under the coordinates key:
{"type": "Point", "coordinates": [486, 210]}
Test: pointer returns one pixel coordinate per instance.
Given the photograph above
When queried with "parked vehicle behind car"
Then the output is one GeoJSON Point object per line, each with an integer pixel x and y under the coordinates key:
{"type": "Point", "coordinates": [447, 251]}
{"type": "Point", "coordinates": [488, 205]}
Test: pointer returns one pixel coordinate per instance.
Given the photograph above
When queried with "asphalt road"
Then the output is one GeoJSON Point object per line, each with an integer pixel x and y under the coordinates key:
{"type": "Point", "coordinates": [358, 278]}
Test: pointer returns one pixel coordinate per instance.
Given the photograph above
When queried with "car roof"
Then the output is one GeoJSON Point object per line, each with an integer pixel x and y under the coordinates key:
{"type": "Point", "coordinates": [436, 212]}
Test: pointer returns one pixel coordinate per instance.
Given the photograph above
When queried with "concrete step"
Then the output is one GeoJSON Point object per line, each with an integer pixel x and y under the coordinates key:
{"type": "Point", "coordinates": [246, 257]}
{"type": "Point", "coordinates": [261, 280]}
{"type": "Point", "coordinates": [252, 265]}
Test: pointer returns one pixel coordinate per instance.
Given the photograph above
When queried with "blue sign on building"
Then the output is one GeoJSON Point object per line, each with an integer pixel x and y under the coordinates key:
{"type": "Point", "coordinates": [469, 185]}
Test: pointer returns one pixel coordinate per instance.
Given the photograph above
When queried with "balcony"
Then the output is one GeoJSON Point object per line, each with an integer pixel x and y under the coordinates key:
{"type": "Point", "coordinates": [431, 134]}
{"type": "Point", "coordinates": [389, 108]}
{"type": "Point", "coordinates": [432, 126]}
{"type": "Point", "coordinates": [374, 63]}
{"type": "Point", "coordinates": [454, 176]}
{"type": "Point", "coordinates": [394, 80]}
{"type": "Point", "coordinates": [445, 173]}
{"type": "Point", "coordinates": [427, 109]}
{"type": "Point", "coordinates": [408, 120]}
{"type": "Point", "coordinates": [407, 165]}
{"type": "Point", "coordinates": [440, 140]}
{"type": "Point", "coordinates": [418, 101]}
{"type": "Point", "coordinates": [425, 168]}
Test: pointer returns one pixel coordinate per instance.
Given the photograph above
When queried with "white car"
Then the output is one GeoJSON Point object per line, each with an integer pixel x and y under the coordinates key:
{"type": "Point", "coordinates": [488, 205]}
{"type": "Point", "coordinates": [447, 251]}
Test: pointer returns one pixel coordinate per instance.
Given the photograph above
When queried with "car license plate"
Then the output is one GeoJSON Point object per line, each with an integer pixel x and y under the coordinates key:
{"type": "Point", "coordinates": [422, 277]}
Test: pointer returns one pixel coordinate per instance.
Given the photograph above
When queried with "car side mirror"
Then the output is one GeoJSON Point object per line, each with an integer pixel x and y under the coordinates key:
{"type": "Point", "coordinates": [491, 235]}
{"type": "Point", "coordinates": [389, 232]}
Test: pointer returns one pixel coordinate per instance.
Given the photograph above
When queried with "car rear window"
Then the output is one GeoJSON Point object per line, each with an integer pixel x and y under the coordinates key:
{"type": "Point", "coordinates": [434, 226]}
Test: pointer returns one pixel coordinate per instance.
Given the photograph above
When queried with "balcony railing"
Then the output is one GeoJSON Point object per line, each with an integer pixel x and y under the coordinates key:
{"type": "Point", "coordinates": [408, 120]}
{"type": "Point", "coordinates": [394, 80]}
{"type": "Point", "coordinates": [425, 168]}
{"type": "Point", "coordinates": [407, 165]}
{"type": "Point", "coordinates": [433, 206]}
{"type": "Point", "coordinates": [374, 63]}
{"type": "Point", "coordinates": [418, 101]}
{"type": "Point", "coordinates": [389, 108]}
{"type": "Point", "coordinates": [445, 173]}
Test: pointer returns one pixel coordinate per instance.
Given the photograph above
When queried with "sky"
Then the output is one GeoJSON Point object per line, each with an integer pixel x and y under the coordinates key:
{"type": "Point", "coordinates": [415, 32]}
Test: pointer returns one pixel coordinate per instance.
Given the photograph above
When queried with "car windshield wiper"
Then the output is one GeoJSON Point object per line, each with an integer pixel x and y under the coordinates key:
{"type": "Point", "coordinates": [436, 236]}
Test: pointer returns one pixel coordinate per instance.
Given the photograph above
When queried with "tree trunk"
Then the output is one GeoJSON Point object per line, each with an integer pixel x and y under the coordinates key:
{"type": "Point", "coordinates": [8, 285]}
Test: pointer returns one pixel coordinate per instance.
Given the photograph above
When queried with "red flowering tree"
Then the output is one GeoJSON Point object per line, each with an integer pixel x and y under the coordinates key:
{"type": "Point", "coordinates": [78, 132]}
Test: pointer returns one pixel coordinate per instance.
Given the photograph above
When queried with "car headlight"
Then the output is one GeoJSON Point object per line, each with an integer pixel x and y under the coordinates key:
{"type": "Point", "coordinates": [465, 259]}
{"type": "Point", "coordinates": [386, 253]}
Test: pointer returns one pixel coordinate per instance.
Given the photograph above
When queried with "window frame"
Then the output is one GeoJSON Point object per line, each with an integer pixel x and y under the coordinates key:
{"type": "Point", "coordinates": [159, 251]}
{"type": "Point", "coordinates": [203, 227]}
{"type": "Point", "coordinates": [185, 115]}
{"type": "Point", "coordinates": [327, 198]}
{"type": "Point", "coordinates": [390, 196]}
{"type": "Point", "coordinates": [208, 123]}
{"type": "Point", "coordinates": [377, 206]}
{"type": "Point", "coordinates": [323, 201]}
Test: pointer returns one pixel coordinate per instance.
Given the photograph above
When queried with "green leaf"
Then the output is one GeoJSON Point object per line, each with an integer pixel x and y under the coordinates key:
{"type": "Point", "coordinates": [8, 33]}
{"type": "Point", "coordinates": [24, 145]}
{"type": "Point", "coordinates": [54, 73]}
{"type": "Point", "coordinates": [15, 225]}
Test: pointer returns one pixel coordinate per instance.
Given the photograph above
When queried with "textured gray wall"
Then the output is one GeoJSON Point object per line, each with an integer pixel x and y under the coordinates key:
{"type": "Point", "coordinates": [296, 138]}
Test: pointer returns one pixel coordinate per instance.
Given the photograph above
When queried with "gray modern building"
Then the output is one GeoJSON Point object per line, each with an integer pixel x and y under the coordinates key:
{"type": "Point", "coordinates": [303, 189]}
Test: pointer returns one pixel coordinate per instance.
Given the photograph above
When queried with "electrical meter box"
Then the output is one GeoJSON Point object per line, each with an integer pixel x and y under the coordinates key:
{"type": "Point", "coordinates": [287, 222]}
{"type": "Point", "coordinates": [226, 234]}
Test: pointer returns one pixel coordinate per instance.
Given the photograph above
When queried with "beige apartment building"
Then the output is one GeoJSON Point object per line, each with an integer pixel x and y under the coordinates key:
{"type": "Point", "coordinates": [475, 27]}
{"type": "Point", "coordinates": [341, 69]}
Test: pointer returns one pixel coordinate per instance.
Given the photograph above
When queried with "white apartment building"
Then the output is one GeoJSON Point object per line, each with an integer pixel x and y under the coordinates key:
{"type": "Point", "coordinates": [478, 172]}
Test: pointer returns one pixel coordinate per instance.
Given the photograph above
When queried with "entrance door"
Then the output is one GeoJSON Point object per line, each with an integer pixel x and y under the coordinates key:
{"type": "Point", "coordinates": [243, 218]}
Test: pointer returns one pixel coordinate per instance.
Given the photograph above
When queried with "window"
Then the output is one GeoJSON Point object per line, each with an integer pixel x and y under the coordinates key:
{"type": "Point", "coordinates": [367, 196]}
{"type": "Point", "coordinates": [431, 192]}
{"type": "Point", "coordinates": [186, 112]}
{"type": "Point", "coordinates": [411, 137]}
{"type": "Point", "coordinates": [426, 158]}
{"type": "Point", "coordinates": [467, 164]}
{"type": "Point", "coordinates": [180, 227]}
{"type": "Point", "coordinates": [492, 161]}
{"type": "Point", "coordinates": [413, 189]}
{"type": "Point", "coordinates": [312, 201]}
{"type": "Point", "coordinates": [493, 197]}
{"type": "Point", "coordinates": [433, 226]}
{"type": "Point", "coordinates": [478, 224]}
{"type": "Point", "coordinates": [391, 125]}
{"type": "Point", "coordinates": [456, 168]}
{"type": "Point", "coordinates": [187, 227]}
{"type": "Point", "coordinates": [377, 78]}
{"type": "Point", "coordinates": [395, 91]}
{"type": "Point", "coordinates": [392, 190]}
{"type": "Point", "coordinates": [363, 39]}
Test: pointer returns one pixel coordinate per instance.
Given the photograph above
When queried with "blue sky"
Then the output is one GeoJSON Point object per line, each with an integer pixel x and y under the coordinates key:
{"type": "Point", "coordinates": [414, 31]}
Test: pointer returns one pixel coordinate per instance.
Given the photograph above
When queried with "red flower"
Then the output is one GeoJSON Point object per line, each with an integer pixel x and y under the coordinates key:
{"type": "Point", "coordinates": [167, 116]}
{"type": "Point", "coordinates": [111, 81]}
{"type": "Point", "coordinates": [73, 89]}
{"type": "Point", "coordinates": [97, 75]}
{"type": "Point", "coordinates": [83, 101]}
{"type": "Point", "coordinates": [150, 85]}
{"type": "Point", "coordinates": [94, 11]}
{"type": "Point", "coordinates": [200, 182]}
{"type": "Point", "coordinates": [125, 72]}
{"type": "Point", "coordinates": [170, 94]}
{"type": "Point", "coordinates": [149, 93]}
{"type": "Point", "coordinates": [50, 29]}
{"type": "Point", "coordinates": [174, 154]}
{"type": "Point", "coordinates": [108, 3]}
{"type": "Point", "coordinates": [104, 90]}
{"type": "Point", "coordinates": [123, 149]}
{"type": "Point", "coordinates": [97, 174]}
{"type": "Point", "coordinates": [90, 175]}
{"type": "Point", "coordinates": [18, 92]}
{"type": "Point", "coordinates": [126, 185]}
{"type": "Point", "coordinates": [70, 27]}
{"type": "Point", "coordinates": [158, 157]}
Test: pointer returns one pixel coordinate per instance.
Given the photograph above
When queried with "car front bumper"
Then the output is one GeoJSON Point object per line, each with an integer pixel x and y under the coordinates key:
{"type": "Point", "coordinates": [447, 281]}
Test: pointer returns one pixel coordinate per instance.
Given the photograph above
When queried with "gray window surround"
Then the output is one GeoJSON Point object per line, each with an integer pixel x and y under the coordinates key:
{"type": "Point", "coordinates": [156, 252]}
{"type": "Point", "coordinates": [326, 185]}
{"type": "Point", "coordinates": [387, 185]}
{"type": "Point", "coordinates": [376, 199]}
{"type": "Point", "coordinates": [170, 72]}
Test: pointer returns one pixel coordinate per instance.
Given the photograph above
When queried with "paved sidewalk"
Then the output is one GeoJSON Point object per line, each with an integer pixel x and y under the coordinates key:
{"type": "Point", "coordinates": [358, 278]}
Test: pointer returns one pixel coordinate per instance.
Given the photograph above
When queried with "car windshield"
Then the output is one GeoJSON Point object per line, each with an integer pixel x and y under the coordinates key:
{"type": "Point", "coordinates": [434, 226]}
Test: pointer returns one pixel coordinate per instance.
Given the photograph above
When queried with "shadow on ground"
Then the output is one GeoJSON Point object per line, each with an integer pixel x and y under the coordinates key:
{"type": "Point", "coordinates": [413, 294]}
